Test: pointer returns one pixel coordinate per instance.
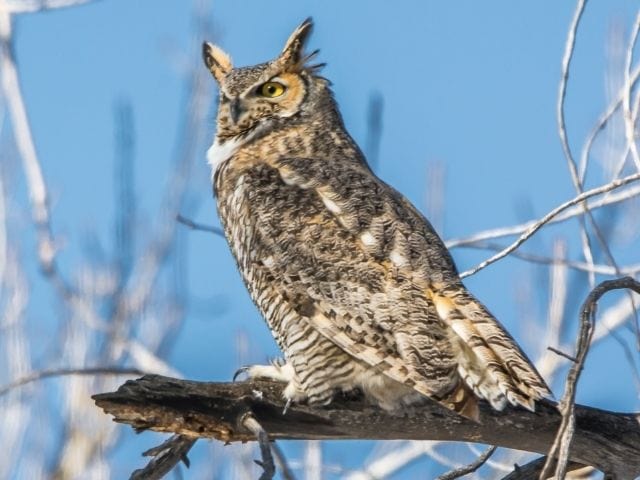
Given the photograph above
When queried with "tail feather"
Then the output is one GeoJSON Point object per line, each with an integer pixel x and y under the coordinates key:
{"type": "Point", "coordinates": [514, 360]}
{"type": "Point", "coordinates": [491, 362]}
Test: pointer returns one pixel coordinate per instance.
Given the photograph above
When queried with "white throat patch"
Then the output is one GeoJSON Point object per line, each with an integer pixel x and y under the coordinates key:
{"type": "Point", "coordinates": [220, 153]}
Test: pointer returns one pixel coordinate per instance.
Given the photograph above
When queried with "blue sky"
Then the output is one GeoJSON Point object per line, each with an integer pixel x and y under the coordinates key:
{"type": "Point", "coordinates": [470, 86]}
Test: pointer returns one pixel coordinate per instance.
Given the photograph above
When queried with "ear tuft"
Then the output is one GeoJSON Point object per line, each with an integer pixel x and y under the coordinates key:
{"type": "Point", "coordinates": [292, 53]}
{"type": "Point", "coordinates": [216, 60]}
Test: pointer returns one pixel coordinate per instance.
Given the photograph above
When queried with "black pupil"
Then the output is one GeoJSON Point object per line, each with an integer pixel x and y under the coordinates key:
{"type": "Point", "coordinates": [271, 89]}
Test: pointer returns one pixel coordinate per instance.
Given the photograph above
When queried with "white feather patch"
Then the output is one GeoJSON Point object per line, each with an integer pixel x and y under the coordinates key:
{"type": "Point", "coordinates": [398, 259]}
{"type": "Point", "coordinates": [220, 153]}
{"type": "Point", "coordinates": [367, 239]}
{"type": "Point", "coordinates": [330, 204]}
{"type": "Point", "coordinates": [268, 262]}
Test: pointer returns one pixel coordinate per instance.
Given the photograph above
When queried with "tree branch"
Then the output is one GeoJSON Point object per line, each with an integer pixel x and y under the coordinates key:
{"type": "Point", "coordinates": [165, 457]}
{"type": "Point", "coordinates": [608, 441]}
{"type": "Point", "coordinates": [532, 470]}
{"type": "Point", "coordinates": [560, 449]}
{"type": "Point", "coordinates": [467, 469]}
{"type": "Point", "coordinates": [549, 216]}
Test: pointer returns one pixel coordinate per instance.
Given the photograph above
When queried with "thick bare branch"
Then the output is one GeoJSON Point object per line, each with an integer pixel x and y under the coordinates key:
{"type": "Point", "coordinates": [608, 441]}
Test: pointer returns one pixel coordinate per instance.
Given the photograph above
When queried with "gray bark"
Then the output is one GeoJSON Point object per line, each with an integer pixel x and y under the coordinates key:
{"type": "Point", "coordinates": [605, 440]}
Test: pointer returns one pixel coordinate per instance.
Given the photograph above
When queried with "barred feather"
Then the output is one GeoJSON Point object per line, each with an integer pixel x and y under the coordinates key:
{"type": "Point", "coordinates": [355, 284]}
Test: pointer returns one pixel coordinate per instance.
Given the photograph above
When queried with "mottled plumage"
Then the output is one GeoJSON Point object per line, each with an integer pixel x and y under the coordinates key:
{"type": "Point", "coordinates": [355, 284]}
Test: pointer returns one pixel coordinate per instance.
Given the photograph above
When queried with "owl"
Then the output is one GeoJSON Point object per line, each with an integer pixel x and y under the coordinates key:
{"type": "Point", "coordinates": [356, 286]}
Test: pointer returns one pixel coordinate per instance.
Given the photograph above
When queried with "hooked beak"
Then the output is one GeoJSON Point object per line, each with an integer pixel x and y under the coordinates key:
{"type": "Point", "coordinates": [235, 109]}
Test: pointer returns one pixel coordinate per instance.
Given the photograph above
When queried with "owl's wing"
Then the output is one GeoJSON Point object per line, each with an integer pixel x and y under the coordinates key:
{"type": "Point", "coordinates": [383, 286]}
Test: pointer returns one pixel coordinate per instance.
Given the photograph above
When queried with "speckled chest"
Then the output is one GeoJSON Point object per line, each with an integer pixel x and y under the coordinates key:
{"type": "Point", "coordinates": [255, 205]}
{"type": "Point", "coordinates": [231, 185]}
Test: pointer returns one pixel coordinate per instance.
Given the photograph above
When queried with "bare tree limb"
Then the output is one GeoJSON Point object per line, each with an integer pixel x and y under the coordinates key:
{"type": "Point", "coordinates": [268, 467]}
{"type": "Point", "coordinates": [567, 214]}
{"type": "Point", "coordinates": [562, 354]}
{"type": "Point", "coordinates": [608, 441]}
{"type": "Point", "coordinates": [30, 6]}
{"type": "Point", "coordinates": [587, 249]}
{"type": "Point", "coordinates": [38, 193]}
{"type": "Point", "coordinates": [531, 471]}
{"type": "Point", "coordinates": [603, 122]}
{"type": "Point", "coordinates": [549, 216]}
{"type": "Point", "coordinates": [629, 121]}
{"type": "Point", "coordinates": [392, 460]}
{"type": "Point", "coordinates": [278, 455]}
{"type": "Point", "coordinates": [165, 457]}
{"type": "Point", "coordinates": [199, 226]}
{"type": "Point", "coordinates": [600, 269]}
{"type": "Point", "coordinates": [60, 372]}
{"type": "Point", "coordinates": [467, 469]}
{"type": "Point", "coordinates": [566, 61]}
{"type": "Point", "coordinates": [563, 441]}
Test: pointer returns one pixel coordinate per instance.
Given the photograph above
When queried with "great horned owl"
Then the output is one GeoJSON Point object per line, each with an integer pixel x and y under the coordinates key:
{"type": "Point", "coordinates": [355, 284]}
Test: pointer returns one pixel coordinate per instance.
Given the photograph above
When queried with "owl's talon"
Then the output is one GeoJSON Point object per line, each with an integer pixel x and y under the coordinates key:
{"type": "Point", "coordinates": [286, 406]}
{"type": "Point", "coordinates": [239, 372]}
{"type": "Point", "coordinates": [279, 373]}
{"type": "Point", "coordinates": [278, 362]}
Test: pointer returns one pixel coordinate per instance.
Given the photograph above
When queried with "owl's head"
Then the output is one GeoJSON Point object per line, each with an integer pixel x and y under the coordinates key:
{"type": "Point", "coordinates": [264, 96]}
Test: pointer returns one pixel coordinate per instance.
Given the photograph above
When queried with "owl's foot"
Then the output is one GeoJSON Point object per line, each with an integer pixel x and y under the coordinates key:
{"type": "Point", "coordinates": [280, 372]}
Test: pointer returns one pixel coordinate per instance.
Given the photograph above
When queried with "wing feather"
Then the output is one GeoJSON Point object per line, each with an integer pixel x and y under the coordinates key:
{"type": "Point", "coordinates": [385, 287]}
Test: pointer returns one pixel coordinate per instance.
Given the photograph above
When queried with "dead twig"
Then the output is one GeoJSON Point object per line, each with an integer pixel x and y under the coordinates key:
{"type": "Point", "coordinates": [531, 471]}
{"type": "Point", "coordinates": [472, 467]}
{"type": "Point", "coordinates": [30, 6]}
{"type": "Point", "coordinates": [165, 457]}
{"type": "Point", "coordinates": [602, 122]}
{"type": "Point", "coordinates": [199, 226]}
{"type": "Point", "coordinates": [545, 260]}
{"type": "Point", "coordinates": [60, 372]}
{"type": "Point", "coordinates": [629, 120]}
{"type": "Point", "coordinates": [278, 454]}
{"type": "Point", "coordinates": [562, 354]}
{"type": "Point", "coordinates": [553, 213]}
{"type": "Point", "coordinates": [562, 131]}
{"type": "Point", "coordinates": [493, 233]}
{"type": "Point", "coordinates": [268, 467]}
{"type": "Point", "coordinates": [564, 437]}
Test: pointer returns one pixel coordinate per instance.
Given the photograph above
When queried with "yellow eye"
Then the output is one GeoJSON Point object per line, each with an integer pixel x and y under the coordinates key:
{"type": "Point", "coordinates": [271, 89]}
